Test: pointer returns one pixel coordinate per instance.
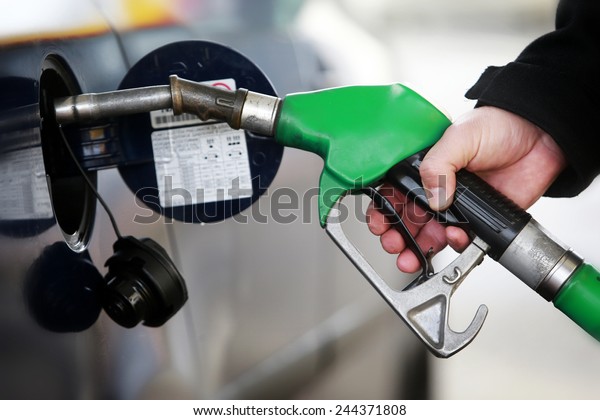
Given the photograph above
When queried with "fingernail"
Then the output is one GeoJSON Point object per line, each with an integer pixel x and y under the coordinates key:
{"type": "Point", "coordinates": [437, 198]}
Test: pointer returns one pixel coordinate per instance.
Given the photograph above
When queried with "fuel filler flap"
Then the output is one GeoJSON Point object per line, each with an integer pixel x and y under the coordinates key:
{"type": "Point", "coordinates": [182, 167]}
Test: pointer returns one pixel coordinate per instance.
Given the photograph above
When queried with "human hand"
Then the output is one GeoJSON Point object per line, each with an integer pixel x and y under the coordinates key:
{"type": "Point", "coordinates": [510, 153]}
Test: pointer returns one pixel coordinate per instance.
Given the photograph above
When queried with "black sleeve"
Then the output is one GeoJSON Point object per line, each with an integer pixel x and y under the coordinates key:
{"type": "Point", "coordinates": [555, 83]}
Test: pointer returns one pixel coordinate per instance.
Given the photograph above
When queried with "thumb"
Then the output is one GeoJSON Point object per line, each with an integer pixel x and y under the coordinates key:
{"type": "Point", "coordinates": [438, 170]}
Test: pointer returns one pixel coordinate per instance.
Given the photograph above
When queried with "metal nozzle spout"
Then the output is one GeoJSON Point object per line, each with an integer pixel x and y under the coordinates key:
{"type": "Point", "coordinates": [96, 106]}
{"type": "Point", "coordinates": [240, 109]}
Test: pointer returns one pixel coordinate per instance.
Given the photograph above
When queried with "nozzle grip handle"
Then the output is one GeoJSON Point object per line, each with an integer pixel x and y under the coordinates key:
{"type": "Point", "coordinates": [477, 207]}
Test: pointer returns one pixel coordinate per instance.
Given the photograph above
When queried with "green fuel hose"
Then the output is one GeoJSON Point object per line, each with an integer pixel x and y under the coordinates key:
{"type": "Point", "coordinates": [579, 299]}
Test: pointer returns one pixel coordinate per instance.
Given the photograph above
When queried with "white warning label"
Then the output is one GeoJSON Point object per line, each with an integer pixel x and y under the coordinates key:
{"type": "Point", "coordinates": [201, 164]}
{"type": "Point", "coordinates": [23, 186]}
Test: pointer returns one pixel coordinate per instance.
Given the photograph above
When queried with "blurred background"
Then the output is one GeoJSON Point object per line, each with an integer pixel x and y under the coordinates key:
{"type": "Point", "coordinates": [275, 310]}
